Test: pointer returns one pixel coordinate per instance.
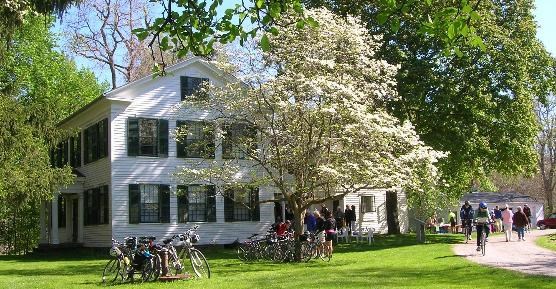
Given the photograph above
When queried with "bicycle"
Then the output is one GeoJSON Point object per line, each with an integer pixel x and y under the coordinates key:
{"type": "Point", "coordinates": [176, 260]}
{"type": "Point", "coordinates": [467, 230]}
{"type": "Point", "coordinates": [483, 239]}
{"type": "Point", "coordinates": [127, 260]}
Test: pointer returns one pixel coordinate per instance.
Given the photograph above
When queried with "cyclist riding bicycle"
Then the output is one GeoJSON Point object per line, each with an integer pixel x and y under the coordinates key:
{"type": "Point", "coordinates": [482, 218]}
{"type": "Point", "coordinates": [466, 215]}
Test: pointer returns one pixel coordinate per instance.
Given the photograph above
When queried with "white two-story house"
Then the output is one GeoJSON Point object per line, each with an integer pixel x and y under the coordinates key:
{"type": "Point", "coordinates": [124, 157]}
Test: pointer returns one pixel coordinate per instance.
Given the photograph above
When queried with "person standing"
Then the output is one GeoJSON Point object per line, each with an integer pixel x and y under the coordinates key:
{"type": "Point", "coordinates": [347, 217]}
{"type": "Point", "coordinates": [310, 221]}
{"type": "Point", "coordinates": [452, 218]}
{"type": "Point", "coordinates": [527, 212]}
{"type": "Point", "coordinates": [507, 220]}
{"type": "Point", "coordinates": [497, 219]}
{"type": "Point", "coordinates": [353, 217]}
{"type": "Point", "coordinates": [520, 222]}
{"type": "Point", "coordinates": [330, 232]}
{"type": "Point", "coordinates": [339, 218]}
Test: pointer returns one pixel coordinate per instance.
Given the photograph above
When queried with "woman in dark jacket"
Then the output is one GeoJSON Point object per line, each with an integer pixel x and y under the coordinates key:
{"type": "Point", "coordinates": [520, 222]}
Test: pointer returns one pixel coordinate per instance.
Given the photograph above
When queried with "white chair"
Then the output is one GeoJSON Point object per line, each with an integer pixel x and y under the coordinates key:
{"type": "Point", "coordinates": [357, 233]}
{"type": "Point", "coordinates": [370, 235]}
{"type": "Point", "coordinates": [342, 233]}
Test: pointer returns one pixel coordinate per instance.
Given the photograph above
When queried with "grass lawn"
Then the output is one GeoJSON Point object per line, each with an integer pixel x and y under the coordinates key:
{"type": "Point", "coordinates": [393, 262]}
{"type": "Point", "coordinates": [547, 241]}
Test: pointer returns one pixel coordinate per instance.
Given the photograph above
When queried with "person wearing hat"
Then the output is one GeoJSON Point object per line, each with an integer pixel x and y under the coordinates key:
{"type": "Point", "coordinates": [483, 219]}
{"type": "Point", "coordinates": [466, 216]}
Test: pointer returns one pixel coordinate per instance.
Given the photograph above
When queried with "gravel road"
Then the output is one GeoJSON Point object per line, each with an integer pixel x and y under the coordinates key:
{"type": "Point", "coordinates": [522, 256]}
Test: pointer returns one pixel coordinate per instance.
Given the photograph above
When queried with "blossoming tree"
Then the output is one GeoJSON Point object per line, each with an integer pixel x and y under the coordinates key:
{"type": "Point", "coordinates": [314, 107]}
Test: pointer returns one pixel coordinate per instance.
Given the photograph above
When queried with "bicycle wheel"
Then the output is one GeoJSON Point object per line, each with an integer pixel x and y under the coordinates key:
{"type": "Point", "coordinates": [306, 251]}
{"type": "Point", "coordinates": [483, 243]}
{"type": "Point", "coordinates": [242, 252]}
{"type": "Point", "coordinates": [199, 264]}
{"type": "Point", "coordinates": [157, 267]}
{"type": "Point", "coordinates": [111, 271]}
{"type": "Point", "coordinates": [325, 255]}
{"type": "Point", "coordinates": [146, 270]}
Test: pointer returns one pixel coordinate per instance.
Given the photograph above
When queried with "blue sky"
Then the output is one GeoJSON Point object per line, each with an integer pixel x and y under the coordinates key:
{"type": "Point", "coordinates": [545, 16]}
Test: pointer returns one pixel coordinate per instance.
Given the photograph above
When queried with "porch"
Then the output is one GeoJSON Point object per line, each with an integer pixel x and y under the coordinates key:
{"type": "Point", "coordinates": [62, 218]}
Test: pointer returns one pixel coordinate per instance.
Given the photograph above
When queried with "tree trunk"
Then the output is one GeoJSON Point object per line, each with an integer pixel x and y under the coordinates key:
{"type": "Point", "coordinates": [298, 231]}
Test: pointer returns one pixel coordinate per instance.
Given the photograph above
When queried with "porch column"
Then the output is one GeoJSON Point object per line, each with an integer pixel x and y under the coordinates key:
{"type": "Point", "coordinates": [80, 217]}
{"type": "Point", "coordinates": [54, 237]}
{"type": "Point", "coordinates": [42, 222]}
{"type": "Point", "coordinates": [283, 203]}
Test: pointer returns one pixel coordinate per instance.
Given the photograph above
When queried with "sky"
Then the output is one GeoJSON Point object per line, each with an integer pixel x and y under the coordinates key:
{"type": "Point", "coordinates": [545, 11]}
{"type": "Point", "coordinates": [545, 15]}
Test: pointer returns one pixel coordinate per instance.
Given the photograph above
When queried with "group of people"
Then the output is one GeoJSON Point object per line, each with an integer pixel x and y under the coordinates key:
{"type": "Point", "coordinates": [323, 223]}
{"type": "Point", "coordinates": [502, 219]}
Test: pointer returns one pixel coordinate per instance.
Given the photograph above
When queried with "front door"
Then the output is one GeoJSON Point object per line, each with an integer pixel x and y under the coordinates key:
{"type": "Point", "coordinates": [392, 212]}
{"type": "Point", "coordinates": [74, 220]}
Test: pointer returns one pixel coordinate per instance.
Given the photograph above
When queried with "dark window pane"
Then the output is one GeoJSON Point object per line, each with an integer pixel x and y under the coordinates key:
{"type": "Point", "coordinates": [149, 204]}
{"type": "Point", "coordinates": [148, 137]}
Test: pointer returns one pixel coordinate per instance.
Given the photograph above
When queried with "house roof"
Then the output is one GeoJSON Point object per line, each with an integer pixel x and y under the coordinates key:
{"type": "Point", "coordinates": [77, 173]}
{"type": "Point", "coordinates": [497, 198]}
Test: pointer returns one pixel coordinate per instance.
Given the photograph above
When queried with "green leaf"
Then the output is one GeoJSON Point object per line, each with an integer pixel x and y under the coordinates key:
{"type": "Point", "coordinates": [467, 9]}
{"type": "Point", "coordinates": [382, 17]}
{"type": "Point", "coordinates": [300, 24]}
{"type": "Point", "coordinates": [451, 31]}
{"type": "Point", "coordinates": [312, 22]}
{"type": "Point", "coordinates": [395, 25]}
{"type": "Point", "coordinates": [474, 15]}
{"type": "Point", "coordinates": [458, 52]}
{"type": "Point", "coordinates": [259, 4]}
{"type": "Point", "coordinates": [265, 43]}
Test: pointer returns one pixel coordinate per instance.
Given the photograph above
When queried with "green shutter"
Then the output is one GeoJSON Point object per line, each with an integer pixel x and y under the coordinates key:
{"type": "Point", "coordinates": [132, 137]}
{"type": "Point", "coordinates": [134, 204]}
{"type": "Point", "coordinates": [182, 204]}
{"type": "Point", "coordinates": [255, 207]}
{"type": "Point", "coordinates": [106, 206]}
{"type": "Point", "coordinates": [211, 204]}
{"type": "Point", "coordinates": [85, 209]}
{"type": "Point", "coordinates": [103, 143]}
{"type": "Point", "coordinates": [164, 203]}
{"type": "Point", "coordinates": [96, 207]}
{"type": "Point", "coordinates": [95, 142]}
{"type": "Point", "coordinates": [229, 206]}
{"type": "Point", "coordinates": [180, 145]}
{"type": "Point", "coordinates": [163, 138]}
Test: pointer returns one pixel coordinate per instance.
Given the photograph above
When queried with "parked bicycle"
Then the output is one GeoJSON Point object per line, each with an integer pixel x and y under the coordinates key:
{"type": "Point", "coordinates": [127, 260]}
{"type": "Point", "coordinates": [177, 260]}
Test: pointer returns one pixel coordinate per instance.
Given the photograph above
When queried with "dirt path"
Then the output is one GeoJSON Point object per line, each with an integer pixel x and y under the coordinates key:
{"type": "Point", "coordinates": [523, 256]}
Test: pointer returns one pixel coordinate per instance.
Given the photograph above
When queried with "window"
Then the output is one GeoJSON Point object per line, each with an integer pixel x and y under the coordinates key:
{"type": "Point", "coordinates": [196, 203]}
{"type": "Point", "coordinates": [75, 150]}
{"type": "Point", "coordinates": [368, 204]}
{"type": "Point", "coordinates": [59, 156]}
{"type": "Point", "coordinates": [199, 141]}
{"type": "Point", "coordinates": [189, 85]}
{"type": "Point", "coordinates": [96, 206]}
{"type": "Point", "coordinates": [241, 204]}
{"type": "Point", "coordinates": [147, 137]}
{"type": "Point", "coordinates": [149, 203]}
{"type": "Point", "coordinates": [239, 141]}
{"type": "Point", "coordinates": [96, 141]}
{"type": "Point", "coordinates": [61, 212]}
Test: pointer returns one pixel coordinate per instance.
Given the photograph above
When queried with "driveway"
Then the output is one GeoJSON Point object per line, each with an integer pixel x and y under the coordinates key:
{"type": "Point", "coordinates": [522, 256]}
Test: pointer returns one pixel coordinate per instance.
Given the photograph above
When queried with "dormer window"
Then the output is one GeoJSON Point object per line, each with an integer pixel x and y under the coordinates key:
{"type": "Point", "coordinates": [189, 85]}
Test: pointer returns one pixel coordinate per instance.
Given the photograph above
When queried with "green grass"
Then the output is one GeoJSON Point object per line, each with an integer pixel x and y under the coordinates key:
{"type": "Point", "coordinates": [393, 262]}
{"type": "Point", "coordinates": [547, 241]}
